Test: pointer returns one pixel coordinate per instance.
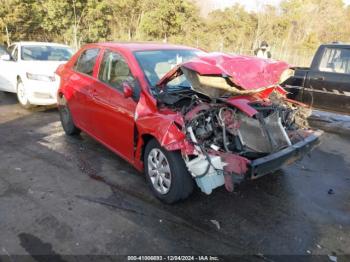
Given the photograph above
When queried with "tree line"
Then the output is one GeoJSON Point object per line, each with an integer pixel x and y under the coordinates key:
{"type": "Point", "coordinates": [294, 29]}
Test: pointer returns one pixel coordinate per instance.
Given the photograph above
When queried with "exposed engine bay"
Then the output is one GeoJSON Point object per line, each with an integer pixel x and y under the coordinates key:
{"type": "Point", "coordinates": [226, 139]}
{"type": "Point", "coordinates": [238, 126]}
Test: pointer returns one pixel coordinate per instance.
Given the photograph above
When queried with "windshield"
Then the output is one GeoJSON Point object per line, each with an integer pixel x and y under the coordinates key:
{"type": "Point", "coordinates": [156, 63]}
{"type": "Point", "coordinates": [3, 51]}
{"type": "Point", "coordinates": [46, 53]}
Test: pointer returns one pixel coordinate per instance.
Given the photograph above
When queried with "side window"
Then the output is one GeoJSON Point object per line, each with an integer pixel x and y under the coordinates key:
{"type": "Point", "coordinates": [336, 60]}
{"type": "Point", "coordinates": [3, 51]}
{"type": "Point", "coordinates": [86, 61]}
{"type": "Point", "coordinates": [114, 70]}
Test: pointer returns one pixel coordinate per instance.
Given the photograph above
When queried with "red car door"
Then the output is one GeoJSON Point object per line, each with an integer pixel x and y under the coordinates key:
{"type": "Point", "coordinates": [80, 84]}
{"type": "Point", "coordinates": [113, 114]}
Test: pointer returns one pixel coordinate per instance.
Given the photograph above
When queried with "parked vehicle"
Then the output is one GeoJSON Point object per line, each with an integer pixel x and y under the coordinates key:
{"type": "Point", "coordinates": [180, 114]}
{"type": "Point", "coordinates": [326, 84]}
{"type": "Point", "coordinates": [28, 69]}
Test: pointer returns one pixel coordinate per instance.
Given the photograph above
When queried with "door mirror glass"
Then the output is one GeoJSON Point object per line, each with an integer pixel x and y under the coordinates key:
{"type": "Point", "coordinates": [127, 90]}
{"type": "Point", "coordinates": [5, 57]}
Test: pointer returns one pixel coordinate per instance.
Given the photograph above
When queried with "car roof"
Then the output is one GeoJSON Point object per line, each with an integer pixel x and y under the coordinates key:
{"type": "Point", "coordinates": [337, 44]}
{"type": "Point", "coordinates": [24, 43]}
{"type": "Point", "coordinates": [143, 46]}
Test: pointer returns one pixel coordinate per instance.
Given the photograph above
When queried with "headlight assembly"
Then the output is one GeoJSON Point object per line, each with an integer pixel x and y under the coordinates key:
{"type": "Point", "coordinates": [44, 78]}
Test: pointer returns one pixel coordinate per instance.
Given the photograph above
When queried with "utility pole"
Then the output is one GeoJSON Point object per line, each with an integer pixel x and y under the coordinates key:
{"type": "Point", "coordinates": [7, 36]}
{"type": "Point", "coordinates": [75, 29]}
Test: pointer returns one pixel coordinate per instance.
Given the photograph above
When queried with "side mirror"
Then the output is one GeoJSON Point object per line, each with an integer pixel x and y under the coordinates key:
{"type": "Point", "coordinates": [5, 57]}
{"type": "Point", "coordinates": [127, 90]}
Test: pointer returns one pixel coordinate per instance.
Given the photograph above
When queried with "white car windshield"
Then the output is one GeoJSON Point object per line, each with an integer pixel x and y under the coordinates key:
{"type": "Point", "coordinates": [3, 51]}
{"type": "Point", "coordinates": [45, 53]}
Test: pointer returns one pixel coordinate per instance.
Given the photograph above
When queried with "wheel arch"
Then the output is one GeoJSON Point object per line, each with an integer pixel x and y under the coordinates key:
{"type": "Point", "coordinates": [146, 138]}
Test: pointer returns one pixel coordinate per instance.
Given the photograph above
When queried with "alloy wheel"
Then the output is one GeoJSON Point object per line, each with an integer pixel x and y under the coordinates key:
{"type": "Point", "coordinates": [159, 171]}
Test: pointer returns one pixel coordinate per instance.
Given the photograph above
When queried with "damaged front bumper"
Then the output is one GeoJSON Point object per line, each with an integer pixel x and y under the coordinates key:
{"type": "Point", "coordinates": [273, 162]}
{"type": "Point", "coordinates": [211, 174]}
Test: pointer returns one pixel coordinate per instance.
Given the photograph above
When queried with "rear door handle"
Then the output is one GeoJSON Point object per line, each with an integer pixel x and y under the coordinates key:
{"type": "Point", "coordinates": [96, 96]}
{"type": "Point", "coordinates": [94, 93]}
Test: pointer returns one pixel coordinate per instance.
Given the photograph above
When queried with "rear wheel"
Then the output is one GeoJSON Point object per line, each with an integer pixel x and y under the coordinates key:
{"type": "Point", "coordinates": [166, 173]}
{"type": "Point", "coordinates": [22, 95]}
{"type": "Point", "coordinates": [66, 118]}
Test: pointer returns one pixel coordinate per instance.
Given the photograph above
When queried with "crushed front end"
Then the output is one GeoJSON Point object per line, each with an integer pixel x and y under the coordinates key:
{"type": "Point", "coordinates": [238, 133]}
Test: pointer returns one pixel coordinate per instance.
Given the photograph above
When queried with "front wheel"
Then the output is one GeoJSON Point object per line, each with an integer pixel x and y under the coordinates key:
{"type": "Point", "coordinates": [22, 95]}
{"type": "Point", "coordinates": [166, 173]}
{"type": "Point", "coordinates": [66, 118]}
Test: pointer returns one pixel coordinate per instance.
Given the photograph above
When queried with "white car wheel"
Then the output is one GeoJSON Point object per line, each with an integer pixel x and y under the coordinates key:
{"type": "Point", "coordinates": [22, 95]}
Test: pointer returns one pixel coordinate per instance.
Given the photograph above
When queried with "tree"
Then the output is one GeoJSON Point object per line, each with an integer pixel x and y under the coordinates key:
{"type": "Point", "coordinates": [21, 19]}
{"type": "Point", "coordinates": [77, 21]}
{"type": "Point", "coordinates": [166, 18]}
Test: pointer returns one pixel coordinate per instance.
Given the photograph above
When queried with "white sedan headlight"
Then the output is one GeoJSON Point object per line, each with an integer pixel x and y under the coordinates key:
{"type": "Point", "coordinates": [44, 78]}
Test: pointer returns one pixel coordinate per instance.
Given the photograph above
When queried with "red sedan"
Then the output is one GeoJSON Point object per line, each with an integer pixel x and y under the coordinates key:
{"type": "Point", "coordinates": [182, 115]}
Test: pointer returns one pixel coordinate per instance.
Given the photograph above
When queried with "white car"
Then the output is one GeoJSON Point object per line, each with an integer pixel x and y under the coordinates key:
{"type": "Point", "coordinates": [29, 70]}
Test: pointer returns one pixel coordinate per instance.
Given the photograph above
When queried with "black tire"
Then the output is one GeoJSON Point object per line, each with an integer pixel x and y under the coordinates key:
{"type": "Point", "coordinates": [24, 102]}
{"type": "Point", "coordinates": [66, 118]}
{"type": "Point", "coordinates": [181, 185]}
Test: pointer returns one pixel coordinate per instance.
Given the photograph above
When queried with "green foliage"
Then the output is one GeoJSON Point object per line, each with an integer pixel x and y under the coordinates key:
{"type": "Point", "coordinates": [166, 18]}
{"type": "Point", "coordinates": [295, 27]}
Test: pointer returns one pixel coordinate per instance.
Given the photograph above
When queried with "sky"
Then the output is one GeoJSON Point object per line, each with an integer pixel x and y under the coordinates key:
{"type": "Point", "coordinates": [250, 4]}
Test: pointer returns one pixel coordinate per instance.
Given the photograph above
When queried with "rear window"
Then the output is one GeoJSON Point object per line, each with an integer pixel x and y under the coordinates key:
{"type": "Point", "coordinates": [86, 61]}
{"type": "Point", "coordinates": [336, 60]}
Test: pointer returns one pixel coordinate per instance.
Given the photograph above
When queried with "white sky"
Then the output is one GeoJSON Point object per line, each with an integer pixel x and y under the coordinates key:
{"type": "Point", "coordinates": [250, 4]}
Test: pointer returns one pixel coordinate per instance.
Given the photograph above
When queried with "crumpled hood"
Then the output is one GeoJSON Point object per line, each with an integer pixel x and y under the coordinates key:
{"type": "Point", "coordinates": [246, 72]}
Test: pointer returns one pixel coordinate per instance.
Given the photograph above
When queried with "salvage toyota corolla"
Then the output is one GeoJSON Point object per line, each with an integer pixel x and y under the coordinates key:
{"type": "Point", "coordinates": [182, 115]}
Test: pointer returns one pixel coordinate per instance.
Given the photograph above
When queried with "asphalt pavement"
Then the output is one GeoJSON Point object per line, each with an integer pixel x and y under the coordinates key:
{"type": "Point", "coordinates": [72, 196]}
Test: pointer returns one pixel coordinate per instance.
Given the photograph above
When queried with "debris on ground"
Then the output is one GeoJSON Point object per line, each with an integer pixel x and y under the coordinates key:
{"type": "Point", "coordinates": [330, 191]}
{"type": "Point", "coordinates": [333, 258]}
{"type": "Point", "coordinates": [216, 223]}
{"type": "Point", "coordinates": [331, 122]}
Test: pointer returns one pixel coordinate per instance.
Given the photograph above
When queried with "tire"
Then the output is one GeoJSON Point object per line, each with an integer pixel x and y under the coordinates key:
{"type": "Point", "coordinates": [173, 169]}
{"type": "Point", "coordinates": [66, 118]}
{"type": "Point", "coordinates": [22, 95]}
